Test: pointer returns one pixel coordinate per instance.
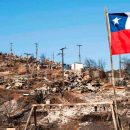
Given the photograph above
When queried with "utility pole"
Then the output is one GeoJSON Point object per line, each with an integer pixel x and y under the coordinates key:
{"type": "Point", "coordinates": [53, 58]}
{"type": "Point", "coordinates": [79, 53]}
{"type": "Point", "coordinates": [36, 45]}
{"type": "Point", "coordinates": [27, 65]}
{"type": "Point", "coordinates": [11, 48]}
{"type": "Point", "coordinates": [62, 55]}
{"type": "Point", "coordinates": [11, 56]}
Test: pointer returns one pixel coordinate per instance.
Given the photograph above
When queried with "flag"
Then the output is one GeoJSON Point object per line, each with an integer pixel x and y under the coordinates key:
{"type": "Point", "coordinates": [120, 32]}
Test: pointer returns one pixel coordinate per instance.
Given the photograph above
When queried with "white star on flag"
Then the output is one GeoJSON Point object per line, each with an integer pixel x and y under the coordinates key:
{"type": "Point", "coordinates": [116, 20]}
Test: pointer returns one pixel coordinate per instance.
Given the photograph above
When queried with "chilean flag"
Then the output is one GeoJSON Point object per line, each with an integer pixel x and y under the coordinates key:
{"type": "Point", "coordinates": [120, 32]}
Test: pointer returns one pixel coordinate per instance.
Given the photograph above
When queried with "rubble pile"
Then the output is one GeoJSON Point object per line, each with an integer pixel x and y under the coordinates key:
{"type": "Point", "coordinates": [24, 81]}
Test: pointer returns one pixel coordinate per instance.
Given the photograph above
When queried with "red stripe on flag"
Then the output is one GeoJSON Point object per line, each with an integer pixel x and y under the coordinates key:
{"type": "Point", "coordinates": [120, 42]}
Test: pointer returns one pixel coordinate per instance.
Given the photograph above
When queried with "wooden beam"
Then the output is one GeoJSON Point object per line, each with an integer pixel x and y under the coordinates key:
{"type": "Point", "coordinates": [28, 118]}
{"type": "Point", "coordinates": [74, 104]}
{"type": "Point", "coordinates": [35, 118]}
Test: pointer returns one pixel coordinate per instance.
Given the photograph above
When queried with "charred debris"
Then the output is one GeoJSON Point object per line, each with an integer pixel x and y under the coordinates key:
{"type": "Point", "coordinates": [25, 81]}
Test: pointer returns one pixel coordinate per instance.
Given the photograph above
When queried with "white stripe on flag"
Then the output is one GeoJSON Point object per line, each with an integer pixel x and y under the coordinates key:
{"type": "Point", "coordinates": [127, 25]}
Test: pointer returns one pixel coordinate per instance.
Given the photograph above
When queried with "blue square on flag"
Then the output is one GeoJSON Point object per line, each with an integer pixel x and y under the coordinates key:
{"type": "Point", "coordinates": [117, 21]}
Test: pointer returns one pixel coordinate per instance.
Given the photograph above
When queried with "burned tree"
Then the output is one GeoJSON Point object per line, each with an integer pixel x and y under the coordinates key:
{"type": "Point", "coordinates": [126, 64]}
{"type": "Point", "coordinates": [91, 63]}
{"type": "Point", "coordinates": [95, 67]}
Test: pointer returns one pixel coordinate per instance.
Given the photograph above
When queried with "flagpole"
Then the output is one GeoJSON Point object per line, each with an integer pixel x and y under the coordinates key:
{"type": "Point", "coordinates": [120, 67]}
{"type": "Point", "coordinates": [112, 69]}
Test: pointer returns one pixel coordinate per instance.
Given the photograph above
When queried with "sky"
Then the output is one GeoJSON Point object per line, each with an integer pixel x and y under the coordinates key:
{"type": "Point", "coordinates": [54, 24]}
